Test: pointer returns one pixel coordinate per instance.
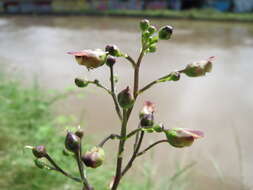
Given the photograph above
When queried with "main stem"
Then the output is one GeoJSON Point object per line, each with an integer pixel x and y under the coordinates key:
{"type": "Point", "coordinates": [120, 150]}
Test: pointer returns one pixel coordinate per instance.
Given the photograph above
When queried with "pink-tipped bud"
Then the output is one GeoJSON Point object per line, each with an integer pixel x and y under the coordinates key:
{"type": "Point", "coordinates": [39, 151]}
{"type": "Point", "coordinates": [179, 137]}
{"type": "Point", "coordinates": [90, 58]}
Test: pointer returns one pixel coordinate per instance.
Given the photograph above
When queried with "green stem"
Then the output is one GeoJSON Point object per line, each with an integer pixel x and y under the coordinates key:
{"type": "Point", "coordinates": [113, 94]}
{"type": "Point", "coordinates": [130, 163]}
{"type": "Point", "coordinates": [131, 60]}
{"type": "Point", "coordinates": [136, 73]}
{"type": "Point", "coordinates": [111, 136]}
{"type": "Point", "coordinates": [120, 151]}
{"type": "Point", "coordinates": [59, 169]}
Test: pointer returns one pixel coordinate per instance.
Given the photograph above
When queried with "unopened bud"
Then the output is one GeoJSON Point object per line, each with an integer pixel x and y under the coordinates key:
{"type": "Point", "coordinates": [152, 48]}
{"type": "Point", "coordinates": [81, 83]}
{"type": "Point", "coordinates": [147, 121]}
{"type": "Point", "coordinates": [39, 151]}
{"type": "Point", "coordinates": [148, 109]}
{"type": "Point", "coordinates": [158, 128]}
{"type": "Point", "coordinates": [110, 61]}
{"type": "Point", "coordinates": [180, 138]}
{"type": "Point", "coordinates": [72, 142]}
{"type": "Point", "coordinates": [94, 158]}
{"type": "Point", "coordinates": [125, 98]}
{"type": "Point", "coordinates": [199, 68]}
{"type": "Point", "coordinates": [144, 25]}
{"type": "Point", "coordinates": [113, 50]}
{"type": "Point", "coordinates": [79, 133]}
{"type": "Point", "coordinates": [165, 32]}
{"type": "Point", "coordinates": [152, 30]}
{"type": "Point", "coordinates": [175, 76]}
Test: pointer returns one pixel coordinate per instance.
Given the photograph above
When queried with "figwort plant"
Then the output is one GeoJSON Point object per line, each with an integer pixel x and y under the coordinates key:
{"type": "Point", "coordinates": [124, 103]}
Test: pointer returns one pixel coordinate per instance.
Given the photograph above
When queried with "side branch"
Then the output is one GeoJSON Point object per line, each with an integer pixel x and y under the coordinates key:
{"type": "Point", "coordinates": [131, 60]}
{"type": "Point", "coordinates": [114, 95]}
{"type": "Point", "coordinates": [151, 146]}
{"type": "Point", "coordinates": [111, 136]}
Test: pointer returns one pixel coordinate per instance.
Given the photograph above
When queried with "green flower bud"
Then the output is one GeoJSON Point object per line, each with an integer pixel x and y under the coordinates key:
{"type": "Point", "coordinates": [81, 83]}
{"type": "Point", "coordinates": [147, 121]}
{"type": "Point", "coordinates": [165, 32]}
{"type": "Point", "coordinates": [146, 35]}
{"type": "Point", "coordinates": [152, 48]}
{"type": "Point", "coordinates": [125, 98]}
{"type": "Point", "coordinates": [39, 164]}
{"type": "Point", "coordinates": [158, 128]}
{"type": "Point", "coordinates": [39, 151]}
{"type": "Point", "coordinates": [94, 158]}
{"type": "Point", "coordinates": [90, 58]}
{"type": "Point", "coordinates": [113, 50]}
{"type": "Point", "coordinates": [199, 68]}
{"type": "Point", "coordinates": [144, 25]}
{"type": "Point", "coordinates": [152, 30]}
{"type": "Point", "coordinates": [175, 76]}
{"type": "Point", "coordinates": [180, 137]}
{"type": "Point", "coordinates": [110, 61]}
{"type": "Point", "coordinates": [72, 142]}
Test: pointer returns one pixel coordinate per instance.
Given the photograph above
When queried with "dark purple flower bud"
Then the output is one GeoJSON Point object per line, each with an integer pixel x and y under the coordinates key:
{"type": "Point", "coordinates": [125, 98]}
{"type": "Point", "coordinates": [110, 61]}
{"type": "Point", "coordinates": [113, 50]}
{"type": "Point", "coordinates": [72, 142]}
{"type": "Point", "coordinates": [165, 32]}
{"type": "Point", "coordinates": [79, 133]}
{"type": "Point", "coordinates": [179, 137]}
{"type": "Point", "coordinates": [147, 121]}
{"type": "Point", "coordinates": [39, 151]}
{"type": "Point", "coordinates": [94, 158]}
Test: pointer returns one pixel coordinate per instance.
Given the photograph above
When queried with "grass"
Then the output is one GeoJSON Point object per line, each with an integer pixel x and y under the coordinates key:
{"type": "Point", "coordinates": [26, 118]}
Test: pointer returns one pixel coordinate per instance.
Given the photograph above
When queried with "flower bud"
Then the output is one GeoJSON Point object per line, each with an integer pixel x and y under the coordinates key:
{"type": "Point", "coordinates": [125, 98]}
{"type": "Point", "coordinates": [147, 121]}
{"type": "Point", "coordinates": [175, 76]}
{"type": "Point", "coordinates": [158, 128]}
{"type": "Point", "coordinates": [148, 109]}
{"type": "Point", "coordinates": [90, 58]}
{"type": "Point", "coordinates": [39, 151]}
{"type": "Point", "coordinates": [110, 61]}
{"type": "Point", "coordinates": [144, 25]}
{"type": "Point", "coordinates": [72, 142]}
{"type": "Point", "coordinates": [152, 30]}
{"type": "Point", "coordinates": [113, 50]}
{"type": "Point", "coordinates": [94, 158]}
{"type": "Point", "coordinates": [199, 68]}
{"type": "Point", "coordinates": [152, 48]}
{"type": "Point", "coordinates": [179, 137]}
{"type": "Point", "coordinates": [165, 32]}
{"type": "Point", "coordinates": [81, 83]}
{"type": "Point", "coordinates": [79, 133]}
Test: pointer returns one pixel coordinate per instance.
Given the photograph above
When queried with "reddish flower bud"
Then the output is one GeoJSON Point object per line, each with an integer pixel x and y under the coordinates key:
{"type": "Point", "coordinates": [39, 151]}
{"type": "Point", "coordinates": [148, 109]}
{"type": "Point", "coordinates": [90, 58]}
{"type": "Point", "coordinates": [125, 98]}
{"type": "Point", "coordinates": [94, 158]}
{"type": "Point", "coordinates": [199, 68]}
{"type": "Point", "coordinates": [72, 142]}
{"type": "Point", "coordinates": [179, 137]}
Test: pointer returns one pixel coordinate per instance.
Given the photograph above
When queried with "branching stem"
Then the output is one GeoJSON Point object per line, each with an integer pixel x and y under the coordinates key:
{"type": "Point", "coordinates": [111, 136]}
{"type": "Point", "coordinates": [151, 146]}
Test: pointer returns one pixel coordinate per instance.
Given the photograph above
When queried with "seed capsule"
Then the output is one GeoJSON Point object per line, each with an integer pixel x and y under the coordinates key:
{"type": "Point", "coordinates": [94, 158]}
{"type": "Point", "coordinates": [125, 98]}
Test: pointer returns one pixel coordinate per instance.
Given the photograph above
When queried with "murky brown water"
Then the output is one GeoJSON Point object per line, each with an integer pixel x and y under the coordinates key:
{"type": "Point", "coordinates": [220, 104]}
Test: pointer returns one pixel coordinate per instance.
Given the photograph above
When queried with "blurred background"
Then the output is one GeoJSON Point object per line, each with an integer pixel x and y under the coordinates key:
{"type": "Point", "coordinates": [39, 101]}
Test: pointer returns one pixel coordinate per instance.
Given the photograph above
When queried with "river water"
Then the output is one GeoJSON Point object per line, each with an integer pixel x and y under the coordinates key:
{"type": "Point", "coordinates": [220, 104]}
